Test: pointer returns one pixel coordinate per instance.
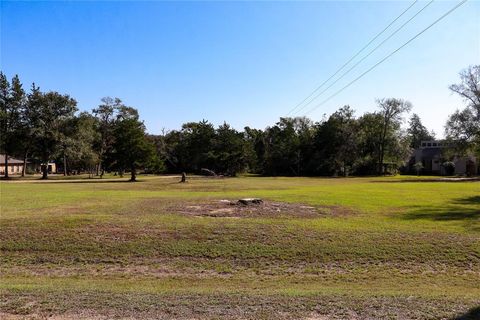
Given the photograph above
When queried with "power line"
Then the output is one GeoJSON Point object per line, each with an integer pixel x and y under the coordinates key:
{"type": "Point", "coordinates": [388, 56]}
{"type": "Point", "coordinates": [367, 55]}
{"type": "Point", "coordinates": [360, 51]}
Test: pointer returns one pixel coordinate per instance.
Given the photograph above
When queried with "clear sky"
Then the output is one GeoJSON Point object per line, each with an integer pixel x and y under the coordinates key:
{"type": "Point", "coordinates": [246, 63]}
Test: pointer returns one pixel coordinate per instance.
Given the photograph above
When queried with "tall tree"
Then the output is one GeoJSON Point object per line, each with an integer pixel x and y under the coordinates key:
{"type": "Point", "coordinates": [131, 147]}
{"type": "Point", "coordinates": [369, 141]}
{"type": "Point", "coordinates": [417, 132]}
{"type": "Point", "coordinates": [51, 114]}
{"type": "Point", "coordinates": [76, 140]}
{"type": "Point", "coordinates": [105, 114]}
{"type": "Point", "coordinates": [12, 102]}
{"type": "Point", "coordinates": [336, 142]}
{"type": "Point", "coordinates": [4, 116]}
{"type": "Point", "coordinates": [78, 151]}
{"type": "Point", "coordinates": [195, 146]}
{"type": "Point", "coordinates": [281, 149]}
{"type": "Point", "coordinates": [26, 141]}
{"type": "Point", "coordinates": [464, 125]}
{"type": "Point", "coordinates": [392, 111]}
{"type": "Point", "coordinates": [255, 149]}
{"type": "Point", "coordinates": [469, 87]}
{"type": "Point", "coordinates": [228, 151]}
{"type": "Point", "coordinates": [287, 146]}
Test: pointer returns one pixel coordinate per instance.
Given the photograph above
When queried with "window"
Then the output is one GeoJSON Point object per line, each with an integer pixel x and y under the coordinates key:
{"type": "Point", "coordinates": [429, 144]}
{"type": "Point", "coordinates": [434, 144]}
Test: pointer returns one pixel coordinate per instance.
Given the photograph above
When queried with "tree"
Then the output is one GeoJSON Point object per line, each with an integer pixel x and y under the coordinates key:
{"type": "Point", "coordinates": [469, 87]}
{"type": "Point", "coordinates": [12, 101]}
{"type": "Point", "coordinates": [282, 152]}
{"type": "Point", "coordinates": [369, 141]}
{"type": "Point", "coordinates": [105, 114]}
{"type": "Point", "coordinates": [4, 116]}
{"type": "Point", "coordinates": [373, 139]}
{"type": "Point", "coordinates": [160, 146]}
{"type": "Point", "coordinates": [337, 141]}
{"type": "Point", "coordinates": [254, 140]}
{"type": "Point", "coordinates": [77, 139]}
{"type": "Point", "coordinates": [52, 113]}
{"type": "Point", "coordinates": [418, 167]}
{"type": "Point", "coordinates": [464, 125]}
{"type": "Point", "coordinates": [417, 132]}
{"type": "Point", "coordinates": [168, 145]}
{"type": "Point", "coordinates": [194, 147]}
{"type": "Point", "coordinates": [131, 147]}
{"type": "Point", "coordinates": [26, 141]}
{"type": "Point", "coordinates": [228, 151]}
{"type": "Point", "coordinates": [391, 110]}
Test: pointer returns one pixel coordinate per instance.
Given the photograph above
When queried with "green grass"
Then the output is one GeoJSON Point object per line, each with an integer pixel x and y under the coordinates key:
{"type": "Point", "coordinates": [377, 247]}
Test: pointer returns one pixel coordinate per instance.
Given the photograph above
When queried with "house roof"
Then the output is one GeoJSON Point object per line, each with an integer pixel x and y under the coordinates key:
{"type": "Point", "coordinates": [10, 160]}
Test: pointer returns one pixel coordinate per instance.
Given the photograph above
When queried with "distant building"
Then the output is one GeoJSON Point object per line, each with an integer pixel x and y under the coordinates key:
{"type": "Point", "coordinates": [15, 166]}
{"type": "Point", "coordinates": [432, 156]}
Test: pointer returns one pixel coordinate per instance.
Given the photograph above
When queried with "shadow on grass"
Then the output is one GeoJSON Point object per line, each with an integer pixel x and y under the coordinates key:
{"type": "Point", "coordinates": [455, 211]}
{"type": "Point", "coordinates": [472, 314]}
{"type": "Point", "coordinates": [469, 200]}
{"type": "Point", "coordinates": [443, 213]}
{"type": "Point", "coordinates": [439, 179]}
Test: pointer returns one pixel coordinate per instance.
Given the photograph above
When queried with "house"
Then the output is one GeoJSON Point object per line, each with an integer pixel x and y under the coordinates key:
{"type": "Point", "coordinates": [432, 155]}
{"type": "Point", "coordinates": [15, 166]}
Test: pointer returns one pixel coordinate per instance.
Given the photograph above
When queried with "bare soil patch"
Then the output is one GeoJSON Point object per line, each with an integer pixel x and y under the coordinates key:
{"type": "Point", "coordinates": [235, 209]}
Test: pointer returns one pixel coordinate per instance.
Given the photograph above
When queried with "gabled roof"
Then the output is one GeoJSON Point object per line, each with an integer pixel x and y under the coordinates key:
{"type": "Point", "coordinates": [10, 160]}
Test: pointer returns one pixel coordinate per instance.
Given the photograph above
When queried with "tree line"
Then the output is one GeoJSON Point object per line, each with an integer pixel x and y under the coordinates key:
{"type": "Point", "coordinates": [43, 126]}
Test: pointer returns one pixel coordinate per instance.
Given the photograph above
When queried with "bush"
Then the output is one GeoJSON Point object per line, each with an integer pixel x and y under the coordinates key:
{"type": "Point", "coordinates": [449, 167]}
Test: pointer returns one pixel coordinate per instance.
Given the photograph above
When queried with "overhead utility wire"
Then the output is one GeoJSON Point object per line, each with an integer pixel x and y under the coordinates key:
{"type": "Point", "coordinates": [388, 56]}
{"type": "Point", "coordinates": [367, 55]}
{"type": "Point", "coordinates": [360, 51]}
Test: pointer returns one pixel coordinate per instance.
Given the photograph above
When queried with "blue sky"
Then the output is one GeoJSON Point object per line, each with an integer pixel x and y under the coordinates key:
{"type": "Point", "coordinates": [246, 63]}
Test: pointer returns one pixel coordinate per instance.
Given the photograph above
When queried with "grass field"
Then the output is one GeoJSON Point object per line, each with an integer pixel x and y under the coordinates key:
{"type": "Point", "coordinates": [355, 248]}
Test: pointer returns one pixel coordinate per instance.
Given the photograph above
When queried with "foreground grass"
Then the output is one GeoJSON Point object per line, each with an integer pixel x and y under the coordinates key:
{"type": "Point", "coordinates": [377, 247]}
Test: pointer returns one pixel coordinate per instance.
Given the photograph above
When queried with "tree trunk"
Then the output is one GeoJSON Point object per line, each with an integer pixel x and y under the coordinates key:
{"type": "Point", "coordinates": [24, 169]}
{"type": "Point", "coordinates": [45, 171]}
{"type": "Point", "coordinates": [64, 164]}
{"type": "Point", "coordinates": [6, 165]}
{"type": "Point", "coordinates": [133, 176]}
{"type": "Point", "coordinates": [382, 143]}
{"type": "Point", "coordinates": [184, 177]}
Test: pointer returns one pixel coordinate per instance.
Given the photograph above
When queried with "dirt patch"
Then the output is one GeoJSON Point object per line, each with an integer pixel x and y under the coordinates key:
{"type": "Point", "coordinates": [234, 209]}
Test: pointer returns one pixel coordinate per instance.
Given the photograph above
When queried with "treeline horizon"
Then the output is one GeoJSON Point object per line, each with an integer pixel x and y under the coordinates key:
{"type": "Point", "coordinates": [43, 126]}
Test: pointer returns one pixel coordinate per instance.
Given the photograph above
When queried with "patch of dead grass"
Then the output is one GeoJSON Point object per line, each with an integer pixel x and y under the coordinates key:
{"type": "Point", "coordinates": [233, 209]}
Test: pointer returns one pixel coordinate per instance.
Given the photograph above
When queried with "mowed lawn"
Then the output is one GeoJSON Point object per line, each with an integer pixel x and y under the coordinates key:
{"type": "Point", "coordinates": [369, 248]}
